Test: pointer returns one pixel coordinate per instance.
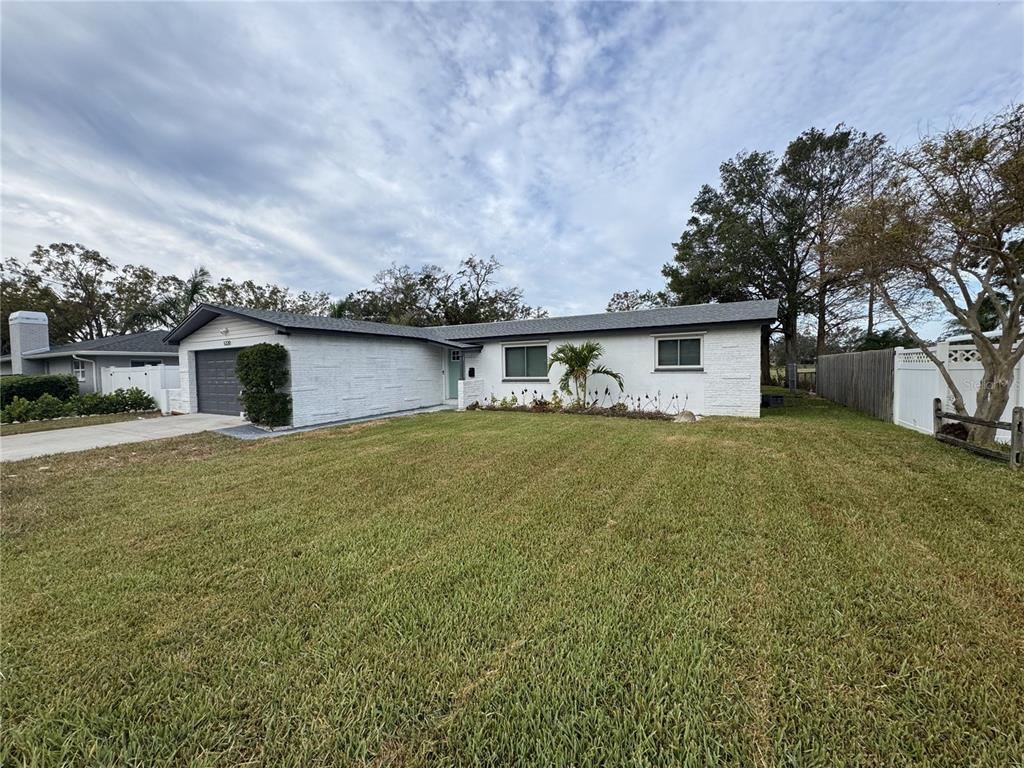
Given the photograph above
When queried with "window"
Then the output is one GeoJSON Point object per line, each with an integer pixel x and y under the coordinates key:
{"type": "Point", "coordinates": [679, 353]}
{"type": "Point", "coordinates": [526, 362]}
{"type": "Point", "coordinates": [78, 368]}
{"type": "Point", "coordinates": [456, 355]}
{"type": "Point", "coordinates": [144, 363]}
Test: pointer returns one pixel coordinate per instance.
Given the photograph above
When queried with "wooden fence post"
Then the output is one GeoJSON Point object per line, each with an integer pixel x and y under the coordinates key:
{"type": "Point", "coordinates": [1017, 438]}
{"type": "Point", "coordinates": [936, 415]}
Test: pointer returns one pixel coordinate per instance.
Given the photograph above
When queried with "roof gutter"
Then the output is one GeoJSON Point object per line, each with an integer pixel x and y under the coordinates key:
{"type": "Point", "coordinates": [105, 353]}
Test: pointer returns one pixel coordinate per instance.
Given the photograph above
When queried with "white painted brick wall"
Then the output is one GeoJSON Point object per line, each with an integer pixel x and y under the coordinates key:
{"type": "Point", "coordinates": [337, 377]}
{"type": "Point", "coordinates": [471, 391]}
{"type": "Point", "coordinates": [728, 385]}
{"type": "Point", "coordinates": [732, 368]}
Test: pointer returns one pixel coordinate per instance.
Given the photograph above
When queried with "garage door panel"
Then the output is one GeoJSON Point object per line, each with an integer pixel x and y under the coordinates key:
{"type": "Point", "coordinates": [217, 387]}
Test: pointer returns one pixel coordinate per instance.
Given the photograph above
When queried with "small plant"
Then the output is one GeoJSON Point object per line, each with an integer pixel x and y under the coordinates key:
{"type": "Point", "coordinates": [555, 401]}
{"type": "Point", "coordinates": [580, 362]}
{"type": "Point", "coordinates": [19, 409]}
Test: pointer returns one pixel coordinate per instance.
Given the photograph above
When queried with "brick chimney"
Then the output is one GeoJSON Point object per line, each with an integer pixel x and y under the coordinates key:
{"type": "Point", "coordinates": [30, 332]}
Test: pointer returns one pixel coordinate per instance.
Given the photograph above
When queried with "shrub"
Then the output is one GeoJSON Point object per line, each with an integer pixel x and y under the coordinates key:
{"type": "Point", "coordinates": [49, 407]}
{"type": "Point", "coordinates": [19, 409]}
{"type": "Point", "coordinates": [262, 370]}
{"type": "Point", "coordinates": [92, 403]}
{"type": "Point", "coordinates": [33, 387]}
{"type": "Point", "coordinates": [133, 399]}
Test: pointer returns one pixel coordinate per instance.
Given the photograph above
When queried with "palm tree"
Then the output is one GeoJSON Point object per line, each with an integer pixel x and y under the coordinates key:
{"type": "Point", "coordinates": [173, 307]}
{"type": "Point", "coordinates": [580, 362]}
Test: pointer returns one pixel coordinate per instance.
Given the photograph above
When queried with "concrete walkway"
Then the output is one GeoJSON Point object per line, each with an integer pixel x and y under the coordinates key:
{"type": "Point", "coordinates": [248, 432]}
{"type": "Point", "coordinates": [17, 447]}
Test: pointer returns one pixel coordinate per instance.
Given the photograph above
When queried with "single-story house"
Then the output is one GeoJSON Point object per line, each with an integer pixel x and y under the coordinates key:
{"type": "Point", "coordinates": [707, 355]}
{"type": "Point", "coordinates": [31, 352]}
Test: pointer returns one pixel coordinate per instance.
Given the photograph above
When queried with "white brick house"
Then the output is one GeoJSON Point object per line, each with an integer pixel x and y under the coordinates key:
{"type": "Point", "coordinates": [707, 355]}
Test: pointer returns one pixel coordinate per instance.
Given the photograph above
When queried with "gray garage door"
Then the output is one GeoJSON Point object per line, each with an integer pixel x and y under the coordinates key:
{"type": "Point", "coordinates": [216, 385]}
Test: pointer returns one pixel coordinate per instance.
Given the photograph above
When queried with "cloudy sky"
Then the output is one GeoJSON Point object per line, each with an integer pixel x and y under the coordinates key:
{"type": "Point", "coordinates": [313, 144]}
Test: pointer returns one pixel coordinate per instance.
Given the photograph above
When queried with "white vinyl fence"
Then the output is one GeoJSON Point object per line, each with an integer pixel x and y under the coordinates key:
{"type": "Point", "coordinates": [162, 382]}
{"type": "Point", "coordinates": [917, 382]}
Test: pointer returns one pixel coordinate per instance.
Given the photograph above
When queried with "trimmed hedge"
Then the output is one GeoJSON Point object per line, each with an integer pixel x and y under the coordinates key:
{"type": "Point", "coordinates": [262, 370]}
{"type": "Point", "coordinates": [49, 407]}
{"type": "Point", "coordinates": [34, 387]}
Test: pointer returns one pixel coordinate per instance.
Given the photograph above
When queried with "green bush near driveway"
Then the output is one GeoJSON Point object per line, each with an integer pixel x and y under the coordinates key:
{"type": "Point", "coordinates": [262, 370]}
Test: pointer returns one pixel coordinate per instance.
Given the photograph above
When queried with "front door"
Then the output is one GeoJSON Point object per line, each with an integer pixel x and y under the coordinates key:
{"type": "Point", "coordinates": [454, 373]}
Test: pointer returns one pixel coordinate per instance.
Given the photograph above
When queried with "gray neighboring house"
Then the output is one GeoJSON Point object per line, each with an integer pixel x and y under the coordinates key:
{"type": "Point", "coordinates": [31, 352]}
{"type": "Point", "coordinates": [705, 356]}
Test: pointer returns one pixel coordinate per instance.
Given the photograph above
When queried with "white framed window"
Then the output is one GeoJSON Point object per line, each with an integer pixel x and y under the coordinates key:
{"type": "Point", "coordinates": [78, 368]}
{"type": "Point", "coordinates": [456, 355]}
{"type": "Point", "coordinates": [679, 353]}
{"type": "Point", "coordinates": [525, 362]}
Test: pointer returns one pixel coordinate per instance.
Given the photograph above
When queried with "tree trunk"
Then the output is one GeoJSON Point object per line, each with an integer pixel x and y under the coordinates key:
{"type": "Point", "coordinates": [766, 349]}
{"type": "Point", "coordinates": [993, 395]}
{"type": "Point", "coordinates": [789, 332]}
{"type": "Point", "coordinates": [819, 347]}
{"type": "Point", "coordinates": [871, 309]}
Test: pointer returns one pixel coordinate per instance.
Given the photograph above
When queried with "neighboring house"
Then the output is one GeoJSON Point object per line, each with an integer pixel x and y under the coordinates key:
{"type": "Point", "coordinates": [31, 352]}
{"type": "Point", "coordinates": [708, 355]}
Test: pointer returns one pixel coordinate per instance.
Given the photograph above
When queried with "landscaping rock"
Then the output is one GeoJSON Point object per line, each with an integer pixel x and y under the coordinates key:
{"type": "Point", "coordinates": [685, 417]}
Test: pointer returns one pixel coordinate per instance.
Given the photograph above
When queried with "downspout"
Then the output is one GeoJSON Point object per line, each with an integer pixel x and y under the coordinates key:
{"type": "Point", "coordinates": [95, 384]}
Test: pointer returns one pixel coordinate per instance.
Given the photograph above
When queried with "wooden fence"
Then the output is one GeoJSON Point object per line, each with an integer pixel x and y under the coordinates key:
{"type": "Point", "coordinates": [859, 380]}
{"type": "Point", "coordinates": [1016, 427]}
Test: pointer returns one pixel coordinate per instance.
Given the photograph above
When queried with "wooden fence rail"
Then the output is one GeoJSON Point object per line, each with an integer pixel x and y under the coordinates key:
{"type": "Point", "coordinates": [859, 380]}
{"type": "Point", "coordinates": [1015, 425]}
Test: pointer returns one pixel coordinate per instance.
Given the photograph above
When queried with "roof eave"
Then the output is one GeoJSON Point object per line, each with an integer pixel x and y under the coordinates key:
{"type": "Point", "coordinates": [625, 329]}
{"type": "Point", "coordinates": [103, 352]}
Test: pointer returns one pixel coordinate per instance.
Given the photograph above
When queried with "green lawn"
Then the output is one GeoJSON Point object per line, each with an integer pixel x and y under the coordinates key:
{"type": "Point", "coordinates": [75, 421]}
{"type": "Point", "coordinates": [518, 589]}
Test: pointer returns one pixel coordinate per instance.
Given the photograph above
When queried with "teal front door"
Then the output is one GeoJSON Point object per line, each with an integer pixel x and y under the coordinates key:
{"type": "Point", "coordinates": [454, 372]}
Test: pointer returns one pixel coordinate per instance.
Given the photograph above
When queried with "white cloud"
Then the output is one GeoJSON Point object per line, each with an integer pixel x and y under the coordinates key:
{"type": "Point", "coordinates": [313, 144]}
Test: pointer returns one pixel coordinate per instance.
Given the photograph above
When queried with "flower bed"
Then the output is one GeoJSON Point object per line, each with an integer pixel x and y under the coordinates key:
{"type": "Point", "coordinates": [623, 407]}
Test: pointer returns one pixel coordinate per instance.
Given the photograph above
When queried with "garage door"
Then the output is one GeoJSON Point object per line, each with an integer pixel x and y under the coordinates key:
{"type": "Point", "coordinates": [216, 384]}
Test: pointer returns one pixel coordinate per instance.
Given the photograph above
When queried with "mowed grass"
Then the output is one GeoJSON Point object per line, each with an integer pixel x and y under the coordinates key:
{"type": "Point", "coordinates": [72, 421]}
{"type": "Point", "coordinates": [518, 589]}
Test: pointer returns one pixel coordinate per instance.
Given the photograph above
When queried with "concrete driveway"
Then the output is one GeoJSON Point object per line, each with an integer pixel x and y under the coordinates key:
{"type": "Point", "coordinates": [34, 444]}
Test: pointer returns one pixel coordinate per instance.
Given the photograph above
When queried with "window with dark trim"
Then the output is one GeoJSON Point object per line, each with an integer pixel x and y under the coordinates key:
{"type": "Point", "coordinates": [526, 362]}
{"type": "Point", "coordinates": [679, 353]}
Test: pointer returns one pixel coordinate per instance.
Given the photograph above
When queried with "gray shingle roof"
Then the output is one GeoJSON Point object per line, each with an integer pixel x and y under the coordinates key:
{"type": "Point", "coordinates": [461, 336]}
{"type": "Point", "coordinates": [663, 317]}
{"type": "Point", "coordinates": [291, 321]}
{"type": "Point", "coordinates": [148, 342]}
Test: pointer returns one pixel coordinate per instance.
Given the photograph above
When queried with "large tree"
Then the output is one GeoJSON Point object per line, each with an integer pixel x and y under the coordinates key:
{"type": "Point", "coordinates": [826, 172]}
{"type": "Point", "coordinates": [247, 293]}
{"type": "Point", "coordinates": [434, 296]}
{"type": "Point", "coordinates": [86, 296]}
{"type": "Point", "coordinates": [766, 232]}
{"type": "Point", "coordinates": [747, 239]}
{"type": "Point", "coordinates": [949, 224]}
